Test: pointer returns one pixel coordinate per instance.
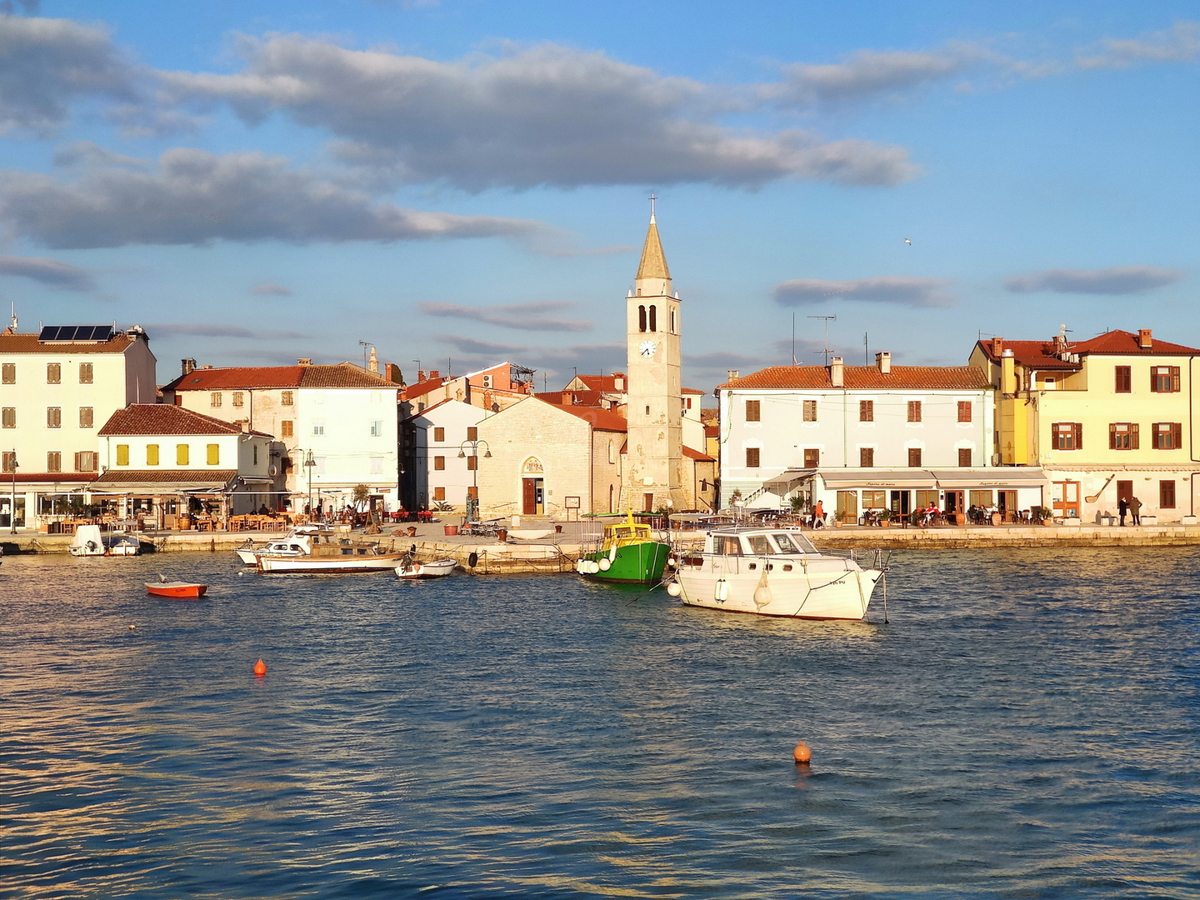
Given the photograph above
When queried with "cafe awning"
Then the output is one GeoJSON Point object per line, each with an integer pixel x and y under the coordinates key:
{"type": "Point", "coordinates": [165, 481]}
{"type": "Point", "coordinates": [984, 478]}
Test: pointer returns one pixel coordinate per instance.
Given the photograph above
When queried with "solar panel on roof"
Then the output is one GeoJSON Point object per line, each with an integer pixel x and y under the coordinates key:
{"type": "Point", "coordinates": [75, 333]}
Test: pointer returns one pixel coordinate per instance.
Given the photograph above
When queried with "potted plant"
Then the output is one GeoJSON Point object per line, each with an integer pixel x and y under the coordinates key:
{"type": "Point", "coordinates": [885, 518]}
{"type": "Point", "coordinates": [1041, 514]}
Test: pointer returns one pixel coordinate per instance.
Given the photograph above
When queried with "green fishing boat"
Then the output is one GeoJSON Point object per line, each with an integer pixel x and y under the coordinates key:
{"type": "Point", "coordinates": [629, 553]}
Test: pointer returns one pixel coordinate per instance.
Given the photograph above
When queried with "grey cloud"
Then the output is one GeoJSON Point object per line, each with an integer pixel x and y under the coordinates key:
{"type": "Point", "coordinates": [92, 154]}
{"type": "Point", "coordinates": [470, 345]}
{"type": "Point", "coordinates": [547, 115]}
{"type": "Point", "coordinates": [870, 73]}
{"type": "Point", "coordinates": [53, 272]}
{"type": "Point", "coordinates": [1120, 280]}
{"type": "Point", "coordinates": [197, 197]}
{"type": "Point", "coordinates": [205, 329]}
{"type": "Point", "coordinates": [520, 316]}
{"type": "Point", "coordinates": [900, 290]}
{"type": "Point", "coordinates": [272, 290]}
{"type": "Point", "coordinates": [45, 64]}
{"type": "Point", "coordinates": [1179, 43]}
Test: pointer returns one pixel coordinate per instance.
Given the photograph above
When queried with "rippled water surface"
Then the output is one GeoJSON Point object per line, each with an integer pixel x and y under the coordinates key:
{"type": "Point", "coordinates": [1026, 725]}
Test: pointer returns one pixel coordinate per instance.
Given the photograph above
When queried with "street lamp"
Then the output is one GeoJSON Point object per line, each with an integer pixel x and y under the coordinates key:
{"type": "Point", "coordinates": [12, 512]}
{"type": "Point", "coordinates": [473, 501]}
{"type": "Point", "coordinates": [309, 462]}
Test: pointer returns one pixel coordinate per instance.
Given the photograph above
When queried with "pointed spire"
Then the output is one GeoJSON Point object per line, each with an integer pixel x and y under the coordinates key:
{"type": "Point", "coordinates": [654, 262]}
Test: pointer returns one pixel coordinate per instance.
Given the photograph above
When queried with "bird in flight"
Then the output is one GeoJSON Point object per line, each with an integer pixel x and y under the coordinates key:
{"type": "Point", "coordinates": [907, 241]}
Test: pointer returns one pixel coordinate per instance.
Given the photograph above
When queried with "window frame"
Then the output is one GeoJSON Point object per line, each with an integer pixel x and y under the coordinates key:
{"type": "Point", "coordinates": [1172, 431]}
{"type": "Point", "coordinates": [87, 373]}
{"type": "Point", "coordinates": [965, 411]}
{"type": "Point", "coordinates": [54, 417]}
{"type": "Point", "coordinates": [914, 462]}
{"type": "Point", "coordinates": [8, 417]}
{"type": "Point", "coordinates": [1062, 433]}
{"type": "Point", "coordinates": [753, 457]}
{"type": "Point", "coordinates": [1123, 436]}
{"type": "Point", "coordinates": [866, 457]}
{"type": "Point", "coordinates": [808, 410]}
{"type": "Point", "coordinates": [812, 458]}
{"type": "Point", "coordinates": [1164, 380]}
{"type": "Point", "coordinates": [1122, 379]}
{"type": "Point", "coordinates": [53, 373]}
{"type": "Point", "coordinates": [968, 454]}
{"type": "Point", "coordinates": [753, 410]}
{"type": "Point", "coordinates": [914, 411]}
{"type": "Point", "coordinates": [87, 417]}
{"type": "Point", "coordinates": [866, 410]}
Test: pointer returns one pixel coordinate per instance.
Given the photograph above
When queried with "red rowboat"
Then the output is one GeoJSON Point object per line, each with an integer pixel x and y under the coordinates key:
{"type": "Point", "coordinates": [179, 590]}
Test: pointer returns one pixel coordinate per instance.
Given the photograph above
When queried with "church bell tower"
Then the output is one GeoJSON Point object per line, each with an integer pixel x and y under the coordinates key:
{"type": "Point", "coordinates": [654, 406]}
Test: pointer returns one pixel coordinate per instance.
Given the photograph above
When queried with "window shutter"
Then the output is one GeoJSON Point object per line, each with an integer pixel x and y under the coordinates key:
{"type": "Point", "coordinates": [1175, 379]}
{"type": "Point", "coordinates": [1176, 436]}
{"type": "Point", "coordinates": [1078, 429]}
{"type": "Point", "coordinates": [1133, 436]}
{"type": "Point", "coordinates": [1112, 437]}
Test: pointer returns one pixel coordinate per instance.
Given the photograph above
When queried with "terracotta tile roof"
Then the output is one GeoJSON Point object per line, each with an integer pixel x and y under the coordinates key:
{"type": "Point", "coordinates": [1126, 343]}
{"type": "Point", "coordinates": [29, 343]}
{"type": "Point", "coordinates": [573, 398]}
{"type": "Point", "coordinates": [421, 388]}
{"type": "Point", "coordinates": [605, 382]}
{"type": "Point", "coordinates": [1042, 354]}
{"type": "Point", "coordinates": [692, 391]}
{"type": "Point", "coordinates": [157, 418]}
{"type": "Point", "coordinates": [342, 375]}
{"type": "Point", "coordinates": [50, 477]}
{"type": "Point", "coordinates": [166, 476]}
{"type": "Point", "coordinates": [600, 419]}
{"type": "Point", "coordinates": [1030, 354]}
{"type": "Point", "coordinates": [697, 455]}
{"type": "Point", "coordinates": [860, 378]}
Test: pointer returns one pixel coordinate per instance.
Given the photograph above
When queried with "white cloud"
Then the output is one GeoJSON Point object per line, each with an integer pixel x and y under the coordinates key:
{"type": "Point", "coordinates": [53, 272]}
{"type": "Point", "coordinates": [1179, 43]}
{"type": "Point", "coordinates": [900, 290]}
{"type": "Point", "coordinates": [1119, 280]}
{"type": "Point", "coordinates": [196, 197]}
{"type": "Point", "coordinates": [519, 316]}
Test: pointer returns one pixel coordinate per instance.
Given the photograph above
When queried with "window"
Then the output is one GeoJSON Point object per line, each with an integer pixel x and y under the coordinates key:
{"type": "Point", "coordinates": [256, 454]}
{"type": "Point", "coordinates": [86, 417]}
{"type": "Point", "coordinates": [212, 454]}
{"type": "Point", "coordinates": [122, 454]}
{"type": "Point", "coordinates": [8, 461]}
{"type": "Point", "coordinates": [753, 411]}
{"type": "Point", "coordinates": [472, 463]}
{"type": "Point", "coordinates": [286, 398]}
{"type": "Point", "coordinates": [318, 427]}
{"type": "Point", "coordinates": [914, 410]}
{"type": "Point", "coordinates": [439, 493]}
{"type": "Point", "coordinates": [914, 457]}
{"type": "Point", "coordinates": [812, 459]}
{"type": "Point", "coordinates": [472, 433]}
{"type": "Point", "coordinates": [654, 318]}
{"type": "Point", "coordinates": [866, 410]}
{"type": "Point", "coordinates": [238, 398]}
{"type": "Point", "coordinates": [8, 417]}
{"type": "Point", "coordinates": [439, 435]}
{"type": "Point", "coordinates": [1166, 495]}
{"type": "Point", "coordinates": [874, 499]}
{"type": "Point", "coordinates": [1124, 380]}
{"type": "Point", "coordinates": [641, 318]}
{"type": "Point", "coordinates": [377, 428]}
{"type": "Point", "coordinates": [1164, 379]}
{"type": "Point", "coordinates": [53, 373]}
{"type": "Point", "coordinates": [810, 410]}
{"type": "Point", "coordinates": [152, 454]}
{"type": "Point", "coordinates": [674, 325]}
{"type": "Point", "coordinates": [87, 461]}
{"type": "Point", "coordinates": [866, 457]}
{"type": "Point", "coordinates": [54, 417]}
{"type": "Point", "coordinates": [8, 373]}
{"type": "Point", "coordinates": [980, 498]}
{"type": "Point", "coordinates": [964, 410]}
{"type": "Point", "coordinates": [439, 463]}
{"type": "Point", "coordinates": [1123, 436]}
{"type": "Point", "coordinates": [752, 457]}
{"type": "Point", "coordinates": [53, 461]}
{"type": "Point", "coordinates": [964, 457]}
{"type": "Point", "coordinates": [214, 400]}
{"type": "Point", "coordinates": [926, 499]}
{"type": "Point", "coordinates": [1168, 435]}
{"type": "Point", "coordinates": [1067, 435]}
{"type": "Point", "coordinates": [181, 454]}
{"type": "Point", "coordinates": [85, 373]}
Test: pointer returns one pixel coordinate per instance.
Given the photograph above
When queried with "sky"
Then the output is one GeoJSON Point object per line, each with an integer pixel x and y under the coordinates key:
{"type": "Point", "coordinates": [461, 182]}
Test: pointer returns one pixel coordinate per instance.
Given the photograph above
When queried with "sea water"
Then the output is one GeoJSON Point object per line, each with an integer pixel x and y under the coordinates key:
{"type": "Point", "coordinates": [1024, 725]}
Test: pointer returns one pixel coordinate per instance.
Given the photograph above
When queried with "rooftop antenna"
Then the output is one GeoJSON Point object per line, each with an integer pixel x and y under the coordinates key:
{"type": "Point", "coordinates": [365, 345]}
{"type": "Point", "coordinates": [794, 363]}
{"type": "Point", "coordinates": [866, 349]}
{"type": "Point", "coordinates": [826, 348]}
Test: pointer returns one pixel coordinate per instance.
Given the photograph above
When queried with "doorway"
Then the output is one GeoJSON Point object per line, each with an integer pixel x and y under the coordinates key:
{"type": "Point", "coordinates": [1066, 499]}
{"type": "Point", "coordinates": [955, 504]}
{"type": "Point", "coordinates": [901, 503]}
{"type": "Point", "coordinates": [532, 497]}
{"type": "Point", "coordinates": [847, 507]}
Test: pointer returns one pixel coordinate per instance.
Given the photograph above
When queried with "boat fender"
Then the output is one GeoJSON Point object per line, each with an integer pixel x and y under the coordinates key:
{"type": "Point", "coordinates": [721, 593]}
{"type": "Point", "coordinates": [674, 589]}
{"type": "Point", "coordinates": [605, 564]}
{"type": "Point", "coordinates": [672, 562]}
{"type": "Point", "coordinates": [593, 567]}
{"type": "Point", "coordinates": [612, 555]}
{"type": "Point", "coordinates": [473, 560]}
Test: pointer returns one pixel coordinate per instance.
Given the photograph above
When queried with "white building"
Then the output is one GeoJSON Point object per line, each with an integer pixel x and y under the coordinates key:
{"type": "Point", "coordinates": [56, 389]}
{"type": "Point", "coordinates": [337, 425]}
{"type": "Point", "coordinates": [162, 461]}
{"type": "Point", "coordinates": [442, 455]}
{"type": "Point", "coordinates": [866, 438]}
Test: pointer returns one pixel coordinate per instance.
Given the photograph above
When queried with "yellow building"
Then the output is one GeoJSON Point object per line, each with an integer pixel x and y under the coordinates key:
{"type": "Point", "coordinates": [1108, 419]}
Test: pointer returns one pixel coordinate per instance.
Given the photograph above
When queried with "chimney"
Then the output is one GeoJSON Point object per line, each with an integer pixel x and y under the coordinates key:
{"type": "Point", "coordinates": [373, 365]}
{"type": "Point", "coordinates": [189, 366]}
{"type": "Point", "coordinates": [618, 382]}
{"type": "Point", "coordinates": [1008, 373]}
{"type": "Point", "coordinates": [733, 374]}
{"type": "Point", "coordinates": [997, 346]}
{"type": "Point", "coordinates": [304, 361]}
{"type": "Point", "coordinates": [883, 359]}
{"type": "Point", "coordinates": [433, 375]}
{"type": "Point", "coordinates": [1145, 342]}
{"type": "Point", "coordinates": [420, 376]}
{"type": "Point", "coordinates": [837, 372]}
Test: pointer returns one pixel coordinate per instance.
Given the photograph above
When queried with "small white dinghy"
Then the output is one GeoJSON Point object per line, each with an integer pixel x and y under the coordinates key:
{"type": "Point", "coordinates": [438, 568]}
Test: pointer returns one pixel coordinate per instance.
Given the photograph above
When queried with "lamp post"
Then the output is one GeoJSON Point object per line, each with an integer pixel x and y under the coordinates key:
{"type": "Point", "coordinates": [309, 462]}
{"type": "Point", "coordinates": [473, 501]}
{"type": "Point", "coordinates": [12, 512]}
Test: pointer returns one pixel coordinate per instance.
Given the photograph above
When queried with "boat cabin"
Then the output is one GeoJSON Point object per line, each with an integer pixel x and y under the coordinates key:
{"type": "Point", "coordinates": [759, 542]}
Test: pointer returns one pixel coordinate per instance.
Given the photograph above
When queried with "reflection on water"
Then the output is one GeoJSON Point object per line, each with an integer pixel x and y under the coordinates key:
{"type": "Point", "coordinates": [1025, 725]}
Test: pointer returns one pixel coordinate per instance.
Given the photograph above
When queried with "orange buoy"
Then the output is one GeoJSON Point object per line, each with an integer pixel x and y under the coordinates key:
{"type": "Point", "coordinates": [260, 668]}
{"type": "Point", "coordinates": [802, 755]}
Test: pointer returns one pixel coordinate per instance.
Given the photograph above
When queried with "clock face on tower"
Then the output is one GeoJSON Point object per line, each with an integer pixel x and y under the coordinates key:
{"type": "Point", "coordinates": [647, 348]}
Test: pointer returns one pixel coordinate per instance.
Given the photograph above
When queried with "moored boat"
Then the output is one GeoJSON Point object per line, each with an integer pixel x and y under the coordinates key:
{"type": "Point", "coordinates": [176, 590]}
{"type": "Point", "coordinates": [295, 544]}
{"type": "Point", "coordinates": [344, 556]}
{"type": "Point", "coordinates": [90, 541]}
{"type": "Point", "coordinates": [629, 553]}
{"type": "Point", "coordinates": [774, 572]}
{"type": "Point", "coordinates": [437, 568]}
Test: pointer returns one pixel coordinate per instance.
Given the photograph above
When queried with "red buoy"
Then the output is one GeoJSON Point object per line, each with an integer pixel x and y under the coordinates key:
{"type": "Point", "coordinates": [802, 755]}
{"type": "Point", "coordinates": [260, 668]}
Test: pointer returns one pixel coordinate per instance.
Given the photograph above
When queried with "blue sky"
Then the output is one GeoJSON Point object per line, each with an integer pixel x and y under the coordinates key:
{"type": "Point", "coordinates": [462, 182]}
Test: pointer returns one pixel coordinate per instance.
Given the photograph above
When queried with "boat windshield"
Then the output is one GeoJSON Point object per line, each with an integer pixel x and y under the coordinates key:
{"type": "Point", "coordinates": [793, 543]}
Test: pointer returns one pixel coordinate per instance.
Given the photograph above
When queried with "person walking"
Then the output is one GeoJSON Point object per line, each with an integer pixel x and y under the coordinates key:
{"type": "Point", "coordinates": [819, 515]}
{"type": "Point", "coordinates": [1122, 509]}
{"type": "Point", "coordinates": [1135, 510]}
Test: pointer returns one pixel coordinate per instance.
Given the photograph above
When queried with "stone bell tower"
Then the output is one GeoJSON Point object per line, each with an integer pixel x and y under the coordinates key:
{"type": "Point", "coordinates": [654, 407]}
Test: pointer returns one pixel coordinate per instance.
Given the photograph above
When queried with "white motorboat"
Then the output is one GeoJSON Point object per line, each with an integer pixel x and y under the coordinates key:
{"type": "Point", "coordinates": [295, 544]}
{"type": "Point", "coordinates": [437, 568]}
{"type": "Point", "coordinates": [774, 572]}
{"type": "Point", "coordinates": [343, 556]}
{"type": "Point", "coordinates": [89, 540]}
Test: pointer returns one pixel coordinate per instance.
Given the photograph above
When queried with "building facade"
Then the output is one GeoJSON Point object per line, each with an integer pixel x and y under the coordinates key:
{"type": "Point", "coordinates": [441, 456]}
